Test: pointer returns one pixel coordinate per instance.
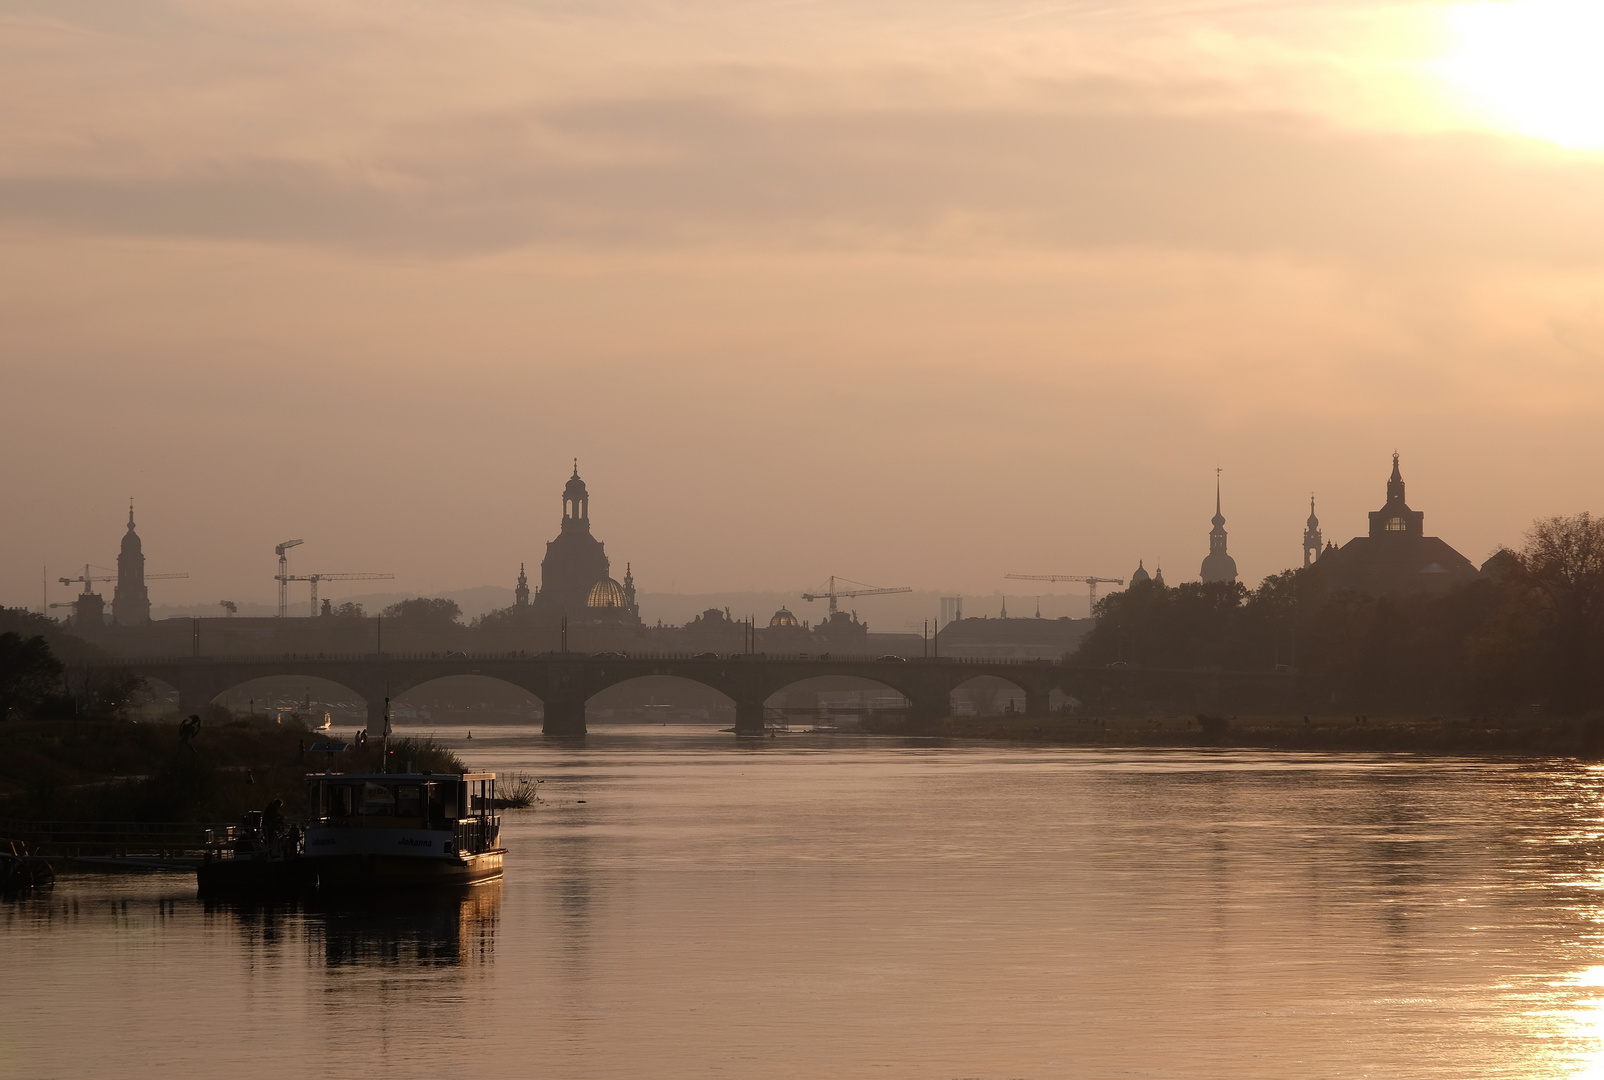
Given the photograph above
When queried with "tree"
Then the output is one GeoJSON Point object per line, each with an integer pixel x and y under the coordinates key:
{"type": "Point", "coordinates": [349, 610]}
{"type": "Point", "coordinates": [422, 611]}
{"type": "Point", "coordinates": [1562, 564]}
{"type": "Point", "coordinates": [29, 673]}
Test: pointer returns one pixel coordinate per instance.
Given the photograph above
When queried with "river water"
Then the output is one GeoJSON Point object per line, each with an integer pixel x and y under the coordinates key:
{"type": "Point", "coordinates": [681, 905]}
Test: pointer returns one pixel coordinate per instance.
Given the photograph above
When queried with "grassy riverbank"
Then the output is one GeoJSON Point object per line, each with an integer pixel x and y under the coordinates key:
{"type": "Point", "coordinates": [121, 771]}
{"type": "Point", "coordinates": [1581, 737]}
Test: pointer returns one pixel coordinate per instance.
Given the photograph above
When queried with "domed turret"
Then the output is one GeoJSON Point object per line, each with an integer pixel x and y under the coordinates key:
{"type": "Point", "coordinates": [783, 618]}
{"type": "Point", "coordinates": [1140, 576]}
{"type": "Point", "coordinates": [576, 500]}
{"type": "Point", "coordinates": [1311, 536]}
{"type": "Point", "coordinates": [607, 593]}
{"type": "Point", "coordinates": [131, 543]}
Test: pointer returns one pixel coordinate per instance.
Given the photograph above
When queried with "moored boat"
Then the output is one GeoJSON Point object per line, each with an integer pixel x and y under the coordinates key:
{"type": "Point", "coordinates": [369, 830]}
{"type": "Point", "coordinates": [382, 829]}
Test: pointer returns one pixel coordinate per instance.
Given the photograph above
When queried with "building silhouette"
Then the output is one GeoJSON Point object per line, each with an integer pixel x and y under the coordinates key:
{"type": "Point", "coordinates": [1218, 566]}
{"type": "Point", "coordinates": [1397, 556]}
{"type": "Point", "coordinates": [1311, 536]}
{"type": "Point", "coordinates": [575, 578]}
{"type": "Point", "coordinates": [1140, 576]}
{"type": "Point", "coordinates": [130, 603]}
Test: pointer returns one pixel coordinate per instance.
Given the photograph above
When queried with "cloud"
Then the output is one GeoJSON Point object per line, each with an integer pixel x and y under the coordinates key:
{"type": "Point", "coordinates": [696, 171]}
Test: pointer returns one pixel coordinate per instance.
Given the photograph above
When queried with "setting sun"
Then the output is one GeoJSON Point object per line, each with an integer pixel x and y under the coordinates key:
{"type": "Point", "coordinates": [1532, 66]}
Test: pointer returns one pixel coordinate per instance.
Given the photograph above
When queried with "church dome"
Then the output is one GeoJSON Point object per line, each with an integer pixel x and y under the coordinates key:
{"type": "Point", "coordinates": [783, 618]}
{"type": "Point", "coordinates": [606, 593]}
{"type": "Point", "coordinates": [1141, 575]}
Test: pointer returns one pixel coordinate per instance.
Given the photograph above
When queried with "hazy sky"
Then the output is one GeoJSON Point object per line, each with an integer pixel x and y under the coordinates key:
{"type": "Point", "coordinates": [912, 292]}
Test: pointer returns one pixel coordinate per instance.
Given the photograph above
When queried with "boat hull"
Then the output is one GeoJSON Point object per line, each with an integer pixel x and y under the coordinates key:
{"type": "Point", "coordinates": [255, 877]}
{"type": "Point", "coordinates": [362, 871]}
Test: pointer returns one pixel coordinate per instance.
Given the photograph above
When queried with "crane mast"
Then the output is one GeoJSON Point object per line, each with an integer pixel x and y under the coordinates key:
{"type": "Point", "coordinates": [283, 578]}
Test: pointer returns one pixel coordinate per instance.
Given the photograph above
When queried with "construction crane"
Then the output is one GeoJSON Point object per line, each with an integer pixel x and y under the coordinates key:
{"type": "Point", "coordinates": [88, 579]}
{"type": "Point", "coordinates": [313, 579]}
{"type": "Point", "coordinates": [283, 577]}
{"type": "Point", "coordinates": [1091, 582]}
{"type": "Point", "coordinates": [831, 593]}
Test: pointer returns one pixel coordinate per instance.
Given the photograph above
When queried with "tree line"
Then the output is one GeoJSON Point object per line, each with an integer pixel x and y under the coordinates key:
{"type": "Point", "coordinates": [1528, 633]}
{"type": "Point", "coordinates": [47, 673]}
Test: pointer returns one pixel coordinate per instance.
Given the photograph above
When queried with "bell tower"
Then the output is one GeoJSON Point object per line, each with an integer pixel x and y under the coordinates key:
{"type": "Point", "coordinates": [576, 503]}
{"type": "Point", "coordinates": [1311, 536]}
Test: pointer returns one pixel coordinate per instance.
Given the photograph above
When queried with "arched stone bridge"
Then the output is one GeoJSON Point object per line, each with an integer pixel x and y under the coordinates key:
{"type": "Point", "coordinates": [564, 683]}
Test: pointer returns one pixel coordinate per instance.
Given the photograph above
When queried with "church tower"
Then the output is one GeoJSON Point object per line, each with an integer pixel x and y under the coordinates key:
{"type": "Point", "coordinates": [130, 604]}
{"type": "Point", "coordinates": [1311, 536]}
{"type": "Point", "coordinates": [521, 593]}
{"type": "Point", "coordinates": [1396, 521]}
{"type": "Point", "coordinates": [575, 562]}
{"type": "Point", "coordinates": [1218, 566]}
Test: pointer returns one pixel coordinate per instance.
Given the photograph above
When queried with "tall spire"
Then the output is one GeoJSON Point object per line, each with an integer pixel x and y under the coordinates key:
{"type": "Point", "coordinates": [130, 513]}
{"type": "Point", "coordinates": [1311, 535]}
{"type": "Point", "coordinates": [1395, 485]}
{"type": "Point", "coordinates": [1218, 565]}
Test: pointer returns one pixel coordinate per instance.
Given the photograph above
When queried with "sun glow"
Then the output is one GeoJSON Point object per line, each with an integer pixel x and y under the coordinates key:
{"type": "Point", "coordinates": [1533, 66]}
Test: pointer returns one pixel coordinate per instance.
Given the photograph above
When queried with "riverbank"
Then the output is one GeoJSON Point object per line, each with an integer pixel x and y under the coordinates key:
{"type": "Point", "coordinates": [1575, 737]}
{"type": "Point", "coordinates": [116, 770]}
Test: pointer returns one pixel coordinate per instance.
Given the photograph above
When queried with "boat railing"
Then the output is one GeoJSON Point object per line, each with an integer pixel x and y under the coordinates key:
{"type": "Point", "coordinates": [478, 833]}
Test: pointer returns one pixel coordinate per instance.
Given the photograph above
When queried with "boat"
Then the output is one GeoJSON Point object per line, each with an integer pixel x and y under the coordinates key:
{"type": "Point", "coordinates": [259, 857]}
{"type": "Point", "coordinates": [387, 829]}
{"type": "Point", "coordinates": [369, 831]}
{"type": "Point", "coordinates": [328, 722]}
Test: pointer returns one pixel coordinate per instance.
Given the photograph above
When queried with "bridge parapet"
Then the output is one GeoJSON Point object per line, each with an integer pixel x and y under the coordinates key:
{"type": "Point", "coordinates": [565, 682]}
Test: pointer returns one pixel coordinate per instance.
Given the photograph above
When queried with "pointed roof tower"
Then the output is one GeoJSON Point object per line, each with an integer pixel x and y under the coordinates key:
{"type": "Point", "coordinates": [130, 603]}
{"type": "Point", "coordinates": [1218, 566]}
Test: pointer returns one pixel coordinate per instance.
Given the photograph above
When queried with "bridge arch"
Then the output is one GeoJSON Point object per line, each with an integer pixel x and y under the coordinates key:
{"type": "Point", "coordinates": [258, 693]}
{"type": "Point", "coordinates": [494, 694]}
{"type": "Point", "coordinates": [676, 698]}
{"type": "Point", "coordinates": [818, 698]}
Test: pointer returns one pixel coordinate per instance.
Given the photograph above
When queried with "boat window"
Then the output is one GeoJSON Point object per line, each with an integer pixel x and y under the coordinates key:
{"type": "Point", "coordinates": [378, 799]}
{"type": "Point", "coordinates": [340, 801]}
{"type": "Point", "coordinates": [408, 801]}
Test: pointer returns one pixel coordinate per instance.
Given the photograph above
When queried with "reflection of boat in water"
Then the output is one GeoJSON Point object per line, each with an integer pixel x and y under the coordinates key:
{"type": "Point", "coordinates": [428, 927]}
{"type": "Point", "coordinates": [328, 722]}
{"type": "Point", "coordinates": [372, 830]}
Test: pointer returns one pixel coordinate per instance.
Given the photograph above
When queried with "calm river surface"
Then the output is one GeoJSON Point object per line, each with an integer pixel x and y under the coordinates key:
{"type": "Point", "coordinates": [838, 907]}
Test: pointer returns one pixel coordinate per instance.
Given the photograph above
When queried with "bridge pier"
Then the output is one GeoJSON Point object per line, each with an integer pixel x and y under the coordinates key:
{"type": "Point", "coordinates": [749, 718]}
{"type": "Point", "coordinates": [929, 707]}
{"type": "Point", "coordinates": [565, 716]}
